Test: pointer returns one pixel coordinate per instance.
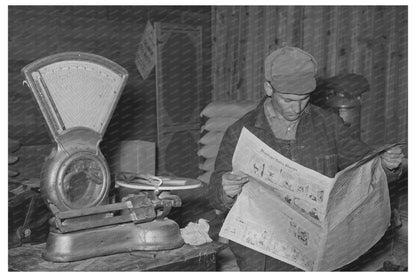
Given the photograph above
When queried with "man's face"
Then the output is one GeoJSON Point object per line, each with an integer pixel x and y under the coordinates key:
{"type": "Point", "coordinates": [290, 106]}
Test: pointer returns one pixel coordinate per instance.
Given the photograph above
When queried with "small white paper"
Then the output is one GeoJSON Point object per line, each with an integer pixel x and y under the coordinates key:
{"type": "Point", "coordinates": [196, 233]}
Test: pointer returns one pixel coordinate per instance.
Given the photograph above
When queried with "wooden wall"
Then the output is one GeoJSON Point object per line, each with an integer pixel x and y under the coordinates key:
{"type": "Point", "coordinates": [113, 32]}
{"type": "Point", "coordinates": [367, 40]}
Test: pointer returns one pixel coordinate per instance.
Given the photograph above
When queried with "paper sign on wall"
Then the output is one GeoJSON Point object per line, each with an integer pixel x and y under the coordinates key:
{"type": "Point", "coordinates": [145, 57]}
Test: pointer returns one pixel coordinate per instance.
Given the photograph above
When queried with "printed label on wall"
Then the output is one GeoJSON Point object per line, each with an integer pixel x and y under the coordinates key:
{"type": "Point", "coordinates": [145, 57]}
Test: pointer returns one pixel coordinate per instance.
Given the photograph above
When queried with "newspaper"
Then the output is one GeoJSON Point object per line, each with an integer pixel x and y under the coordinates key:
{"type": "Point", "coordinates": [299, 216]}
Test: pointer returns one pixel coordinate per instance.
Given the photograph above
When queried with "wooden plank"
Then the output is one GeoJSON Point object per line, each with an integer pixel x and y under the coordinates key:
{"type": "Point", "coordinates": [228, 43]}
{"type": "Point", "coordinates": [318, 47]}
{"type": "Point", "coordinates": [282, 21]}
{"type": "Point", "coordinates": [207, 62]}
{"type": "Point", "coordinates": [191, 17]}
{"type": "Point", "coordinates": [225, 73]}
{"type": "Point", "coordinates": [308, 29]}
{"type": "Point", "coordinates": [333, 22]}
{"type": "Point", "coordinates": [201, 263]}
{"type": "Point", "coordinates": [214, 53]}
{"type": "Point", "coordinates": [233, 49]}
{"type": "Point", "coordinates": [343, 39]}
{"type": "Point", "coordinates": [244, 37]}
{"type": "Point", "coordinates": [354, 60]}
{"type": "Point", "coordinates": [220, 53]}
{"type": "Point", "coordinates": [258, 59]}
{"type": "Point", "coordinates": [297, 26]}
{"type": "Point", "coordinates": [378, 81]}
{"type": "Point", "coordinates": [391, 104]}
{"type": "Point", "coordinates": [290, 26]}
{"type": "Point", "coordinates": [271, 27]}
{"type": "Point", "coordinates": [239, 56]}
{"type": "Point", "coordinates": [402, 67]}
{"type": "Point", "coordinates": [365, 37]}
{"type": "Point", "coordinates": [251, 43]}
{"type": "Point", "coordinates": [343, 44]}
{"type": "Point", "coordinates": [199, 258]}
{"type": "Point", "coordinates": [323, 71]}
{"type": "Point", "coordinates": [313, 39]}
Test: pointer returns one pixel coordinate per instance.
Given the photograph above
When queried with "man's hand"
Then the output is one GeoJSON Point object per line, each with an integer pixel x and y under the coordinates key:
{"type": "Point", "coordinates": [392, 158]}
{"type": "Point", "coordinates": [232, 182]}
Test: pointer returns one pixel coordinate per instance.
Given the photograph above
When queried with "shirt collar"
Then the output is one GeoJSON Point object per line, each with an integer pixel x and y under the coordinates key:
{"type": "Point", "coordinates": [261, 119]}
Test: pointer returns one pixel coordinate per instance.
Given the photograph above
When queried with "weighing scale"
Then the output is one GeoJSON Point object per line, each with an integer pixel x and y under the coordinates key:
{"type": "Point", "coordinates": [77, 93]}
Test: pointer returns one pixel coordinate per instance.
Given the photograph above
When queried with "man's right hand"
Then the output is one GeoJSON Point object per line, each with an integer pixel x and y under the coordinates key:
{"type": "Point", "coordinates": [232, 182]}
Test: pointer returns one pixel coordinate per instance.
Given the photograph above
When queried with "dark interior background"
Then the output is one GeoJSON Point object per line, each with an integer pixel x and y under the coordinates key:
{"type": "Point", "coordinates": [368, 40]}
{"type": "Point", "coordinates": [110, 31]}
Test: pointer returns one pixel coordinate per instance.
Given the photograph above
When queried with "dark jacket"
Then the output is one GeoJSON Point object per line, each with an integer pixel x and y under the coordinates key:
{"type": "Point", "coordinates": [323, 143]}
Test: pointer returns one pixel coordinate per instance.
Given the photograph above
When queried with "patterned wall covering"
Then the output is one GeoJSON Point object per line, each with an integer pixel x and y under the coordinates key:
{"type": "Point", "coordinates": [366, 40]}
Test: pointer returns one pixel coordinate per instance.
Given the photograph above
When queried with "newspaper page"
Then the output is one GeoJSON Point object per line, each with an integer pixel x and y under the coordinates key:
{"type": "Point", "coordinates": [304, 189]}
{"type": "Point", "coordinates": [354, 185]}
{"type": "Point", "coordinates": [261, 222]}
{"type": "Point", "coordinates": [354, 232]}
{"type": "Point", "coordinates": [297, 215]}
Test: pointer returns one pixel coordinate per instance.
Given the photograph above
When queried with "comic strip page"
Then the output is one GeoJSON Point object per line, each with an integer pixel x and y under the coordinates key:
{"type": "Point", "coordinates": [298, 215]}
{"type": "Point", "coordinates": [305, 190]}
{"type": "Point", "coordinates": [273, 228]}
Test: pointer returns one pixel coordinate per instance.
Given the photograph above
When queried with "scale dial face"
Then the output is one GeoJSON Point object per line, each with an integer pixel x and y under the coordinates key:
{"type": "Point", "coordinates": [83, 181]}
{"type": "Point", "coordinates": [77, 93]}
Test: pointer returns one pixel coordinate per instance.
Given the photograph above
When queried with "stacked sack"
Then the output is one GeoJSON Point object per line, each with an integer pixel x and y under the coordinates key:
{"type": "Point", "coordinates": [218, 116]}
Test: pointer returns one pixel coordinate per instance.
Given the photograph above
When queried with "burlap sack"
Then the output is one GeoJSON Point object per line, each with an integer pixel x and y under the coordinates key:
{"type": "Point", "coordinates": [205, 177]}
{"type": "Point", "coordinates": [208, 164]}
{"type": "Point", "coordinates": [212, 137]}
{"type": "Point", "coordinates": [209, 151]}
{"type": "Point", "coordinates": [228, 108]}
{"type": "Point", "coordinates": [218, 124]}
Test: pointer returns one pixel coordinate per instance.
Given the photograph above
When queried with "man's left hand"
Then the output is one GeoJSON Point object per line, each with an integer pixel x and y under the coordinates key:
{"type": "Point", "coordinates": [392, 158]}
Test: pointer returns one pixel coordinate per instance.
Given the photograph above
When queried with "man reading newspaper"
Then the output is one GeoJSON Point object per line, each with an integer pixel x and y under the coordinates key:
{"type": "Point", "coordinates": [287, 123]}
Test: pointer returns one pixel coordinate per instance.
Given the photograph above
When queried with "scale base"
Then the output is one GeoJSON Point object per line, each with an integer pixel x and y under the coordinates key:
{"type": "Point", "coordinates": [160, 234]}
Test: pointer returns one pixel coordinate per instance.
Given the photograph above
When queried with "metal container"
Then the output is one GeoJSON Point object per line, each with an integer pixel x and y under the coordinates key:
{"type": "Point", "coordinates": [349, 109]}
{"type": "Point", "coordinates": [342, 94]}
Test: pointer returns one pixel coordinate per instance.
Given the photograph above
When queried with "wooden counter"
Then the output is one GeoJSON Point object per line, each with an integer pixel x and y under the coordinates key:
{"type": "Point", "coordinates": [186, 258]}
